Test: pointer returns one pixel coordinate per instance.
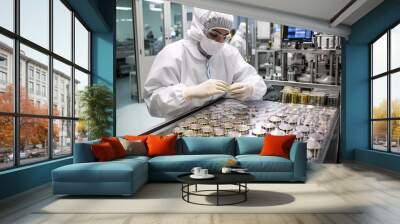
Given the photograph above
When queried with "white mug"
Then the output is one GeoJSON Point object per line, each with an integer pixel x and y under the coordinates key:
{"type": "Point", "coordinates": [196, 171]}
{"type": "Point", "coordinates": [203, 172]}
{"type": "Point", "coordinates": [226, 170]}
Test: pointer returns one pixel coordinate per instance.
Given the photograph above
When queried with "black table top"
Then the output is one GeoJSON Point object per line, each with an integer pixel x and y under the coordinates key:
{"type": "Point", "coordinates": [220, 178]}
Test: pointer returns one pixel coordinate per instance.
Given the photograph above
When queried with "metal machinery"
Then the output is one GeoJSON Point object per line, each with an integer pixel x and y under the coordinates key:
{"type": "Point", "coordinates": [302, 99]}
{"type": "Point", "coordinates": [227, 117]}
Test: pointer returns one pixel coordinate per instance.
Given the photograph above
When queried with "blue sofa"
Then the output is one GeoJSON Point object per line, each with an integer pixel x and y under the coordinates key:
{"type": "Point", "coordinates": [125, 176]}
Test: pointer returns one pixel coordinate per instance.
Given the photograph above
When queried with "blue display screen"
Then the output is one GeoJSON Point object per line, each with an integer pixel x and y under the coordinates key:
{"type": "Point", "coordinates": [295, 33]}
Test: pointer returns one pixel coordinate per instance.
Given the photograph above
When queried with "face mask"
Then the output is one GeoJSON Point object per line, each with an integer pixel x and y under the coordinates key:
{"type": "Point", "coordinates": [211, 47]}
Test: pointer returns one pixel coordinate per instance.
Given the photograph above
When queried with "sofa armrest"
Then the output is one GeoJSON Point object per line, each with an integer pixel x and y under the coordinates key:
{"type": "Point", "coordinates": [83, 152]}
{"type": "Point", "coordinates": [299, 159]}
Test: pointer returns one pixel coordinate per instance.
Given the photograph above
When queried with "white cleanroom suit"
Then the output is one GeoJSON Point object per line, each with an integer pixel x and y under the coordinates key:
{"type": "Point", "coordinates": [182, 78]}
{"type": "Point", "coordinates": [239, 39]}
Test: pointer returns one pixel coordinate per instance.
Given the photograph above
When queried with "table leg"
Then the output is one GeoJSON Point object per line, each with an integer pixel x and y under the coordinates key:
{"type": "Point", "coordinates": [182, 188]}
{"type": "Point", "coordinates": [245, 193]}
{"type": "Point", "coordinates": [217, 194]}
{"type": "Point", "coordinates": [196, 187]}
{"type": "Point", "coordinates": [188, 192]}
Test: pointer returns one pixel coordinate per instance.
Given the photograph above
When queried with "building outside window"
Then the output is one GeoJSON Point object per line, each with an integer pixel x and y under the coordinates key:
{"type": "Point", "coordinates": [3, 61]}
{"type": "Point", "coordinates": [44, 77]}
{"type": "Point", "coordinates": [44, 91]}
{"type": "Point", "coordinates": [30, 72]}
{"type": "Point", "coordinates": [3, 78]}
{"type": "Point", "coordinates": [385, 94]}
{"type": "Point", "coordinates": [3, 72]}
{"type": "Point", "coordinates": [56, 129]}
{"type": "Point", "coordinates": [38, 89]}
{"type": "Point", "coordinates": [37, 74]}
{"type": "Point", "coordinates": [30, 87]}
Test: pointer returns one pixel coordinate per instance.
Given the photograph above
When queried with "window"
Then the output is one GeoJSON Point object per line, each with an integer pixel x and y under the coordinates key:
{"type": "Point", "coordinates": [62, 29]}
{"type": "Point", "coordinates": [33, 148]}
{"type": "Point", "coordinates": [30, 87]}
{"type": "Point", "coordinates": [81, 81]}
{"type": "Point", "coordinates": [62, 137]}
{"type": "Point", "coordinates": [30, 72]}
{"type": "Point", "coordinates": [38, 89]}
{"type": "Point", "coordinates": [37, 74]}
{"type": "Point", "coordinates": [6, 73]}
{"type": "Point", "coordinates": [81, 45]}
{"type": "Point", "coordinates": [44, 131]}
{"type": "Point", "coordinates": [6, 142]}
{"type": "Point", "coordinates": [35, 21]}
{"type": "Point", "coordinates": [3, 61]}
{"type": "Point", "coordinates": [62, 73]}
{"type": "Point", "coordinates": [44, 91]}
{"type": "Point", "coordinates": [385, 94]}
{"type": "Point", "coordinates": [7, 14]}
{"type": "Point", "coordinates": [3, 78]}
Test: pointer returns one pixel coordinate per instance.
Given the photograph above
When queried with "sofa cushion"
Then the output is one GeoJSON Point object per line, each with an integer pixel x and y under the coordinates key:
{"type": "Point", "coordinates": [142, 138]}
{"type": "Point", "coordinates": [257, 163]}
{"type": "Point", "coordinates": [185, 163]}
{"type": "Point", "coordinates": [120, 170]}
{"type": "Point", "coordinates": [277, 145]}
{"type": "Point", "coordinates": [103, 152]}
{"type": "Point", "coordinates": [161, 145]}
{"type": "Point", "coordinates": [206, 145]}
{"type": "Point", "coordinates": [131, 158]}
{"type": "Point", "coordinates": [134, 147]}
{"type": "Point", "coordinates": [249, 145]}
{"type": "Point", "coordinates": [83, 152]}
{"type": "Point", "coordinates": [116, 145]}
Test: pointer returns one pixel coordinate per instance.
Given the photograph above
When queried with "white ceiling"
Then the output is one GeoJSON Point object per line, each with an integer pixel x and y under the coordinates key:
{"type": "Point", "coordinates": [319, 9]}
{"type": "Point", "coordinates": [312, 14]}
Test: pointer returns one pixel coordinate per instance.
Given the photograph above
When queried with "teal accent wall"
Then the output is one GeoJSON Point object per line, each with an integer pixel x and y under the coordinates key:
{"type": "Point", "coordinates": [103, 53]}
{"type": "Point", "coordinates": [24, 178]}
{"type": "Point", "coordinates": [99, 16]}
{"type": "Point", "coordinates": [355, 105]}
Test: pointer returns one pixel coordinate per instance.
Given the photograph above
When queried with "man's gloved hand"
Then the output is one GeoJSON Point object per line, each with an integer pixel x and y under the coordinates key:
{"type": "Point", "coordinates": [240, 91]}
{"type": "Point", "coordinates": [208, 88]}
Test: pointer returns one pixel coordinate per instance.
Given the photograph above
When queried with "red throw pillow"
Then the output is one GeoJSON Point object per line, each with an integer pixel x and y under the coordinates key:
{"type": "Point", "coordinates": [161, 145]}
{"type": "Point", "coordinates": [277, 145]}
{"type": "Point", "coordinates": [103, 152]}
{"type": "Point", "coordinates": [116, 145]}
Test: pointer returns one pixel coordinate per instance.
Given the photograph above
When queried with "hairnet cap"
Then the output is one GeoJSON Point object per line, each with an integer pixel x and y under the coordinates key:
{"type": "Point", "coordinates": [222, 22]}
{"type": "Point", "coordinates": [205, 20]}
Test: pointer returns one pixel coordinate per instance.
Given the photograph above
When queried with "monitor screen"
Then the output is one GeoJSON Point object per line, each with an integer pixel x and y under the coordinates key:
{"type": "Point", "coordinates": [297, 34]}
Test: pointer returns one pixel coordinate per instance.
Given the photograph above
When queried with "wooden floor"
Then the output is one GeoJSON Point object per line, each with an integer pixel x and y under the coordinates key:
{"type": "Point", "coordinates": [378, 189]}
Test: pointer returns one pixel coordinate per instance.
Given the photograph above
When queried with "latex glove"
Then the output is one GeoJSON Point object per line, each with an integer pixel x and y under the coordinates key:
{"type": "Point", "coordinates": [208, 88]}
{"type": "Point", "coordinates": [240, 91]}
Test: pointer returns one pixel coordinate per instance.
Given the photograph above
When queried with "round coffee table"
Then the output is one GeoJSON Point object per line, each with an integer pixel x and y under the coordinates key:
{"type": "Point", "coordinates": [238, 179]}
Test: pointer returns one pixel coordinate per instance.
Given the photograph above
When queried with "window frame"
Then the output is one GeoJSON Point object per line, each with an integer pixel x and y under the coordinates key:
{"type": "Point", "coordinates": [16, 114]}
{"type": "Point", "coordinates": [388, 74]}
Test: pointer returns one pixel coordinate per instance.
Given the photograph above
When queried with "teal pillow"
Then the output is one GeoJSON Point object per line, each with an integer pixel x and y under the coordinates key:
{"type": "Point", "coordinates": [207, 145]}
{"type": "Point", "coordinates": [249, 145]}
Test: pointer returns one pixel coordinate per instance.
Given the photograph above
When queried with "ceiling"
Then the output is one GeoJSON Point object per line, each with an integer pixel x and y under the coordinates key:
{"type": "Point", "coordinates": [318, 15]}
{"type": "Point", "coordinates": [319, 9]}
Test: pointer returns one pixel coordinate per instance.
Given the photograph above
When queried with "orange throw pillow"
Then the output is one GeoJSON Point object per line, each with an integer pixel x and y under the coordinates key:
{"type": "Point", "coordinates": [116, 145]}
{"type": "Point", "coordinates": [277, 145]}
{"type": "Point", "coordinates": [103, 152]}
{"type": "Point", "coordinates": [161, 145]}
{"type": "Point", "coordinates": [136, 137]}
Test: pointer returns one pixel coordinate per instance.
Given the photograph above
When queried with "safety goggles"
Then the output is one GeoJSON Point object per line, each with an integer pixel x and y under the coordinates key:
{"type": "Point", "coordinates": [215, 34]}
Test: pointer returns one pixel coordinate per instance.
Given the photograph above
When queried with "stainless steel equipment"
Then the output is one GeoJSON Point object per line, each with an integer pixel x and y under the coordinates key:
{"type": "Point", "coordinates": [307, 122]}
